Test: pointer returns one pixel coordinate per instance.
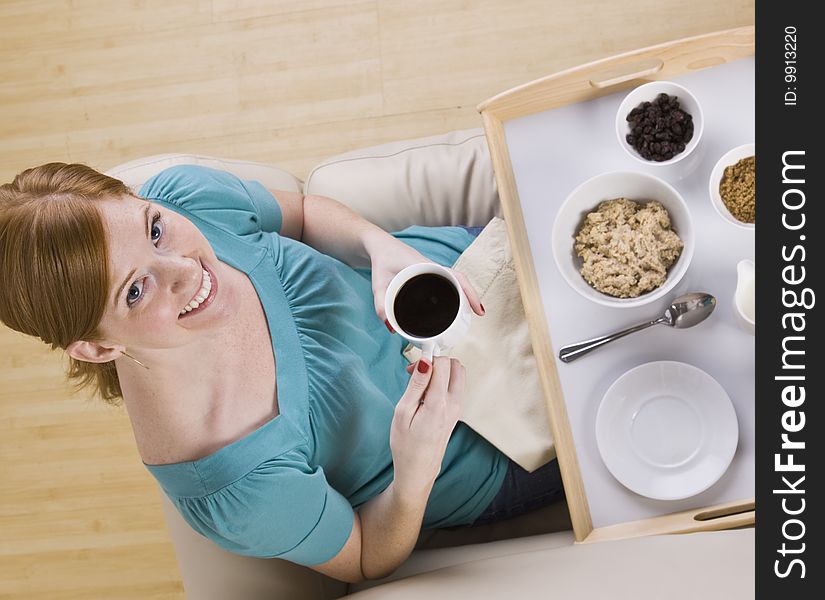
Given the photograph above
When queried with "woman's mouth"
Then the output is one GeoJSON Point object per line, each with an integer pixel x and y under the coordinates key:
{"type": "Point", "coordinates": [203, 297]}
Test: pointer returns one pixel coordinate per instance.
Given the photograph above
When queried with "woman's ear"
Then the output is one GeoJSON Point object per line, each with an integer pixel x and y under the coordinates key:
{"type": "Point", "coordinates": [94, 352]}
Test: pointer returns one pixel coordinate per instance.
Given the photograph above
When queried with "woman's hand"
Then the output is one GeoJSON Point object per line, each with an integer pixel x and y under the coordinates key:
{"type": "Point", "coordinates": [393, 255]}
{"type": "Point", "coordinates": [423, 421]}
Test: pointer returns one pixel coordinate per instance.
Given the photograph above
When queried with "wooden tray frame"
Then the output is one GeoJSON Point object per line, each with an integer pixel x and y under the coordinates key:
{"type": "Point", "coordinates": [581, 84]}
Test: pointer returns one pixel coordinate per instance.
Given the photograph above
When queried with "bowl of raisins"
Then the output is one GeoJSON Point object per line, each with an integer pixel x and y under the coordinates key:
{"type": "Point", "coordinates": [659, 124]}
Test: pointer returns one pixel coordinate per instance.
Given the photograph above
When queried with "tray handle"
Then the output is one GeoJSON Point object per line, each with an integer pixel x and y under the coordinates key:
{"type": "Point", "coordinates": [731, 510]}
{"type": "Point", "coordinates": [627, 72]}
{"type": "Point", "coordinates": [731, 515]}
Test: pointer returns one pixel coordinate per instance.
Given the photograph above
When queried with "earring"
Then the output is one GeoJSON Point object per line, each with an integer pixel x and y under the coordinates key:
{"type": "Point", "coordinates": [127, 355]}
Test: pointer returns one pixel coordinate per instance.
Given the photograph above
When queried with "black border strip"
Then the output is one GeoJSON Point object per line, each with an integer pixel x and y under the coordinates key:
{"type": "Point", "coordinates": [788, 257]}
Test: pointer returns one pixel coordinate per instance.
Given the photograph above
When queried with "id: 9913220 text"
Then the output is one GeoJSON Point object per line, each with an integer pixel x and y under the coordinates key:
{"type": "Point", "coordinates": [790, 66]}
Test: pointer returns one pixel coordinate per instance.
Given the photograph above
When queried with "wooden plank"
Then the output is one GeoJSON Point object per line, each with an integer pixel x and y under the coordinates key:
{"type": "Point", "coordinates": [239, 10]}
{"type": "Point", "coordinates": [89, 572]}
{"type": "Point", "coordinates": [539, 330]}
{"type": "Point", "coordinates": [433, 51]}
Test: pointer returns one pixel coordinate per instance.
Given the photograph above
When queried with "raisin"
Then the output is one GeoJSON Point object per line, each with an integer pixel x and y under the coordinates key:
{"type": "Point", "coordinates": [660, 128]}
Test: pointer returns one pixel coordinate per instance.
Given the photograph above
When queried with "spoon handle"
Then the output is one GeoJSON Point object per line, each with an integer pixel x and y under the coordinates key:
{"type": "Point", "coordinates": [573, 351]}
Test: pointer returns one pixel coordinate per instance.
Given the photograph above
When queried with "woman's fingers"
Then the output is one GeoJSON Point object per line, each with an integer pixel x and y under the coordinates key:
{"type": "Point", "coordinates": [378, 300]}
{"type": "Point", "coordinates": [457, 374]}
{"type": "Point", "coordinates": [470, 292]}
{"type": "Point", "coordinates": [442, 387]}
{"type": "Point", "coordinates": [439, 385]}
{"type": "Point", "coordinates": [420, 380]}
{"type": "Point", "coordinates": [457, 377]}
{"type": "Point", "coordinates": [416, 389]}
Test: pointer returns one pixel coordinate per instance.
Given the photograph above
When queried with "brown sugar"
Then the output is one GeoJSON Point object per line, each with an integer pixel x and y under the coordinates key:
{"type": "Point", "coordinates": [738, 189]}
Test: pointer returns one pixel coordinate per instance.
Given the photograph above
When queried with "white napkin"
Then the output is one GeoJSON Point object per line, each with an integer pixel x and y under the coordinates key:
{"type": "Point", "coordinates": [503, 398]}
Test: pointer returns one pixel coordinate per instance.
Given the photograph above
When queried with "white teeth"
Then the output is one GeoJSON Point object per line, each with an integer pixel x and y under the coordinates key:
{"type": "Point", "coordinates": [203, 293]}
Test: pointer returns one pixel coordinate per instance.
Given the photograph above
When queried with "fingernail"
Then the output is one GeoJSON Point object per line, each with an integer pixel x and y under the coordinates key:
{"type": "Point", "coordinates": [387, 323]}
{"type": "Point", "coordinates": [482, 308]}
{"type": "Point", "coordinates": [423, 366]}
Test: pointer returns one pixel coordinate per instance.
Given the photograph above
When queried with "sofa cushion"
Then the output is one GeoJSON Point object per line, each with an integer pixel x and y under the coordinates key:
{"type": "Point", "coordinates": [136, 172]}
{"type": "Point", "coordinates": [439, 180]}
{"type": "Point", "coordinates": [423, 561]}
{"type": "Point", "coordinates": [716, 564]}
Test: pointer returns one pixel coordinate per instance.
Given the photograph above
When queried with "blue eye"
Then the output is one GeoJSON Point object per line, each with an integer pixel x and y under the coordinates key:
{"type": "Point", "coordinates": [135, 292]}
{"type": "Point", "coordinates": [130, 297]}
{"type": "Point", "coordinates": [157, 225]}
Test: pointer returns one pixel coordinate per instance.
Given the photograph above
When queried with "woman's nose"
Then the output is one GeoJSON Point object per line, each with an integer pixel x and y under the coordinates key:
{"type": "Point", "coordinates": [183, 274]}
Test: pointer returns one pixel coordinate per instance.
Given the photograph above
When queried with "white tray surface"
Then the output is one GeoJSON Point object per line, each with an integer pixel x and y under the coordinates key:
{"type": "Point", "coordinates": [554, 151]}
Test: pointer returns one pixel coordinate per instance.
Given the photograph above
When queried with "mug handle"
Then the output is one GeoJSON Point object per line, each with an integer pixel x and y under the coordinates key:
{"type": "Point", "coordinates": [429, 350]}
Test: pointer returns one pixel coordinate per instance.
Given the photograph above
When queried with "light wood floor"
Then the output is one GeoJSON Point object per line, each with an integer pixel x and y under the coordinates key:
{"type": "Point", "coordinates": [279, 81]}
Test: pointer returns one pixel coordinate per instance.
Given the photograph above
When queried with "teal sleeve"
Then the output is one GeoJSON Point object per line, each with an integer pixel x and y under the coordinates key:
{"type": "Point", "coordinates": [286, 511]}
{"type": "Point", "coordinates": [440, 244]}
{"type": "Point", "coordinates": [239, 206]}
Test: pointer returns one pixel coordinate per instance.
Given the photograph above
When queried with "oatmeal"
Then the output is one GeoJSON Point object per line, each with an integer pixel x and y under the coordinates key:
{"type": "Point", "coordinates": [627, 247]}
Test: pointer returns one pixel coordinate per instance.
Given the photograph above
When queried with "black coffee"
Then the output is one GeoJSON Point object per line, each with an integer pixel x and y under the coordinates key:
{"type": "Point", "coordinates": [426, 305]}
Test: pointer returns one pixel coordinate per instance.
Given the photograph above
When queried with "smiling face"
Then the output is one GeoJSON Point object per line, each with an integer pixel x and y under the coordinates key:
{"type": "Point", "coordinates": [160, 265]}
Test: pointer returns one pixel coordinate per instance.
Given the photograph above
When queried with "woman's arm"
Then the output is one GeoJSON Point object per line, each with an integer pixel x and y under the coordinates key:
{"type": "Point", "coordinates": [387, 527]}
{"type": "Point", "coordinates": [334, 229]}
{"type": "Point", "coordinates": [330, 227]}
{"type": "Point", "coordinates": [390, 525]}
{"type": "Point", "coordinates": [384, 533]}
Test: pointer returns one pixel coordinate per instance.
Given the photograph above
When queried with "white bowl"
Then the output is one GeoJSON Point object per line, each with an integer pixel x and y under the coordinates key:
{"type": "Point", "coordinates": [586, 197]}
{"type": "Point", "coordinates": [730, 157]}
{"type": "Point", "coordinates": [686, 161]}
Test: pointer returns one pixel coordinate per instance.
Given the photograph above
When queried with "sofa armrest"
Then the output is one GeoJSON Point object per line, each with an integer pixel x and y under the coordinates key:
{"type": "Point", "coordinates": [717, 564]}
{"type": "Point", "coordinates": [440, 180]}
{"type": "Point", "coordinates": [424, 561]}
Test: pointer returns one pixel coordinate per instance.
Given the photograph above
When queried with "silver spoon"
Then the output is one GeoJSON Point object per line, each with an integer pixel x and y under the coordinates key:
{"type": "Point", "coordinates": [685, 311]}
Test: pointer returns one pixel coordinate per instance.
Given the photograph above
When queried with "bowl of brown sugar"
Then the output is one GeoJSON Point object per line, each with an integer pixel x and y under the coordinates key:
{"type": "Point", "coordinates": [732, 186]}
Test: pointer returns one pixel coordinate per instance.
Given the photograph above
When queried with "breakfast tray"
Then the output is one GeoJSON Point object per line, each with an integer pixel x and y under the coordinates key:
{"type": "Point", "coordinates": [545, 138]}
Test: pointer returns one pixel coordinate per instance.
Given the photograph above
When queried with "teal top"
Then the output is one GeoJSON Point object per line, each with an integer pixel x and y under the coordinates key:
{"type": "Point", "coordinates": [288, 489]}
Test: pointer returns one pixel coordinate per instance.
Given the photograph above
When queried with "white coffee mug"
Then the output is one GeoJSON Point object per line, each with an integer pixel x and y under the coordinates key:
{"type": "Point", "coordinates": [449, 337]}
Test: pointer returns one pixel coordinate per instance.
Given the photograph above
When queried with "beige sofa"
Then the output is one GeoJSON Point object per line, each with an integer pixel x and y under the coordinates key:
{"type": "Point", "coordinates": [444, 180]}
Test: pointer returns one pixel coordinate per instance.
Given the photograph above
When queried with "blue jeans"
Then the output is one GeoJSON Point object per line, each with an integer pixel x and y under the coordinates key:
{"type": "Point", "coordinates": [473, 231]}
{"type": "Point", "coordinates": [523, 492]}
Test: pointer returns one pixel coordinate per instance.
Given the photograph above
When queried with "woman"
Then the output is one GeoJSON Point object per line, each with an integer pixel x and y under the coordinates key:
{"type": "Point", "coordinates": [239, 327]}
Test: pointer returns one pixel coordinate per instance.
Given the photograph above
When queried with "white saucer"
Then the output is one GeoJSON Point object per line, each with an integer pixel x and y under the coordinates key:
{"type": "Point", "coordinates": [666, 430]}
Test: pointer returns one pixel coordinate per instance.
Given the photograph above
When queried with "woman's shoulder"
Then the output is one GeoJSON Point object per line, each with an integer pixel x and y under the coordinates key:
{"type": "Point", "coordinates": [244, 207]}
{"type": "Point", "coordinates": [215, 410]}
{"type": "Point", "coordinates": [282, 508]}
{"type": "Point", "coordinates": [169, 446]}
